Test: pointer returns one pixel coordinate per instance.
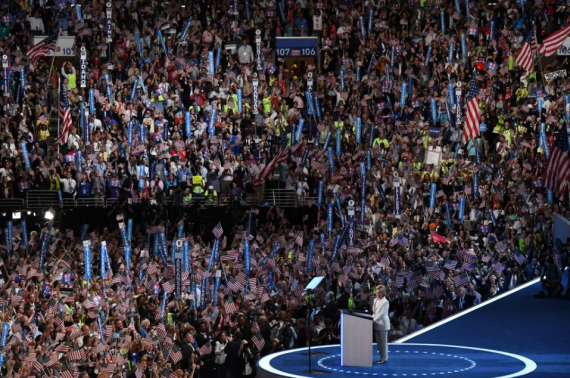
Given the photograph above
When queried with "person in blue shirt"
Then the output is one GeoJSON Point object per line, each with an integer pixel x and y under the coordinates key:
{"type": "Point", "coordinates": [84, 187]}
{"type": "Point", "coordinates": [301, 21]}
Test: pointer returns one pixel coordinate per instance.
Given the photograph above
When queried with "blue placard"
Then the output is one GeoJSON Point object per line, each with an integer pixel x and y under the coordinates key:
{"type": "Point", "coordinates": [299, 130]}
{"type": "Point", "coordinates": [463, 45]}
{"type": "Point", "coordinates": [331, 158]}
{"type": "Point", "coordinates": [432, 195]}
{"type": "Point", "coordinates": [442, 17]}
{"type": "Point", "coordinates": [246, 257]}
{"type": "Point", "coordinates": [433, 110]}
{"type": "Point", "coordinates": [330, 214]}
{"type": "Point", "coordinates": [358, 129]}
{"type": "Point", "coordinates": [296, 47]}
{"type": "Point", "coordinates": [549, 196]}
{"type": "Point", "coordinates": [362, 27]}
{"type": "Point", "coordinates": [186, 255]}
{"type": "Point", "coordinates": [341, 76]}
{"type": "Point", "coordinates": [91, 101]}
{"type": "Point", "coordinates": [211, 63]}
{"type": "Point", "coordinates": [327, 140]}
{"type": "Point", "coordinates": [310, 253]}
{"type": "Point", "coordinates": [403, 95]}
{"type": "Point", "coordinates": [450, 53]}
{"type": "Point", "coordinates": [428, 56]}
{"type": "Point", "coordinates": [448, 214]}
{"type": "Point", "coordinates": [102, 260]}
{"type": "Point", "coordinates": [239, 100]}
{"type": "Point", "coordinates": [461, 209]}
{"type": "Point", "coordinates": [476, 183]}
{"type": "Point", "coordinates": [338, 141]}
{"type": "Point", "coordinates": [310, 103]}
{"type": "Point", "coordinates": [212, 123]}
{"type": "Point", "coordinates": [320, 193]}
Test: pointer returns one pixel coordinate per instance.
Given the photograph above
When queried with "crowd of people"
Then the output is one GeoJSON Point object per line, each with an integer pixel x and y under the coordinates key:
{"type": "Point", "coordinates": [389, 192]}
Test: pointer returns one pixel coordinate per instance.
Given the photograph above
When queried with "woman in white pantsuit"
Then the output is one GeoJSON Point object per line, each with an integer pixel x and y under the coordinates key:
{"type": "Point", "coordinates": [381, 323]}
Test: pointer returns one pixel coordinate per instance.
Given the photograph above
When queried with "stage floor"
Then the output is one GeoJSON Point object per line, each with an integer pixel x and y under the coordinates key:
{"type": "Point", "coordinates": [514, 336]}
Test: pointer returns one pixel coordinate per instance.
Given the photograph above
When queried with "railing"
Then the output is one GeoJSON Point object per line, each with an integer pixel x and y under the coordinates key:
{"type": "Point", "coordinates": [44, 199]}
{"type": "Point", "coordinates": [16, 203]}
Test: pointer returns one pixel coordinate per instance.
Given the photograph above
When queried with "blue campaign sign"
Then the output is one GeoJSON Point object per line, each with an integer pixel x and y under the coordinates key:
{"type": "Point", "coordinates": [296, 47]}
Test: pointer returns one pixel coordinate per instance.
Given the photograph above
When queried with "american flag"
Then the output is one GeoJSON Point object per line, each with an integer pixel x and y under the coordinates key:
{"type": "Point", "coordinates": [267, 171]}
{"type": "Point", "coordinates": [471, 129]}
{"type": "Point", "coordinates": [554, 41]}
{"type": "Point", "coordinates": [67, 374]}
{"type": "Point", "coordinates": [461, 280]}
{"type": "Point", "coordinates": [230, 307]}
{"type": "Point", "coordinates": [524, 55]}
{"type": "Point", "coordinates": [206, 348]}
{"type": "Point", "coordinates": [450, 264]}
{"type": "Point", "coordinates": [437, 291]}
{"type": "Point", "coordinates": [43, 47]}
{"type": "Point", "coordinates": [78, 354]}
{"type": "Point", "coordinates": [259, 341]}
{"type": "Point", "coordinates": [64, 116]}
{"type": "Point", "coordinates": [299, 239]}
{"type": "Point", "coordinates": [557, 171]}
{"type": "Point", "coordinates": [161, 330]}
{"type": "Point", "coordinates": [500, 247]}
{"type": "Point", "coordinates": [218, 231]}
{"type": "Point", "coordinates": [175, 354]}
{"type": "Point", "coordinates": [107, 368]}
{"type": "Point", "coordinates": [519, 257]}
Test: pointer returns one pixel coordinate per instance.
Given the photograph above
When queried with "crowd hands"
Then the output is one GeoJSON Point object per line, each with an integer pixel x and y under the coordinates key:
{"type": "Point", "coordinates": [433, 265]}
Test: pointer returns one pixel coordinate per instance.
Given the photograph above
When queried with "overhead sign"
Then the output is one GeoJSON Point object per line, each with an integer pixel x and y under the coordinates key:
{"type": "Point", "coordinates": [64, 45]}
{"type": "Point", "coordinates": [293, 47]}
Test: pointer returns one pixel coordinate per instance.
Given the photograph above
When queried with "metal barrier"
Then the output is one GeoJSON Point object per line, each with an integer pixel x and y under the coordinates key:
{"type": "Point", "coordinates": [281, 197]}
{"type": "Point", "coordinates": [42, 199]}
{"type": "Point", "coordinates": [89, 202]}
{"type": "Point", "coordinates": [13, 204]}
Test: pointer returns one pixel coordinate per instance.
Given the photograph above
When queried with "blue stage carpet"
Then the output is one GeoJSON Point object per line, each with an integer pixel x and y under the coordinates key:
{"type": "Point", "coordinates": [515, 336]}
{"type": "Point", "coordinates": [538, 329]}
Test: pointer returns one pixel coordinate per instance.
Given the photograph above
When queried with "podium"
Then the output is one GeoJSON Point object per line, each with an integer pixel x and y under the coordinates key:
{"type": "Point", "coordinates": [356, 330]}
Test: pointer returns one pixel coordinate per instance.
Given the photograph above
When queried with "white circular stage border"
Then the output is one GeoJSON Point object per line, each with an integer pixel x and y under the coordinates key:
{"type": "Point", "coordinates": [530, 365]}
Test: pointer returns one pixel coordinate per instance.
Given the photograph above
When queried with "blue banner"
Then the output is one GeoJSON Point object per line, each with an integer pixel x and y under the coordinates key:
{"type": "Point", "coordinates": [217, 286]}
{"type": "Point", "coordinates": [163, 303]}
{"type": "Point", "coordinates": [368, 160]}
{"type": "Point", "coordinates": [211, 69]}
{"type": "Point", "coordinates": [331, 159]}
{"type": "Point", "coordinates": [310, 253]}
{"type": "Point", "coordinates": [428, 56]}
{"type": "Point", "coordinates": [214, 256]}
{"type": "Point", "coordinates": [433, 110]}
{"type": "Point", "coordinates": [549, 196]}
{"type": "Point", "coordinates": [461, 215]}
{"type": "Point", "coordinates": [371, 139]}
{"type": "Point", "coordinates": [363, 170]}
{"type": "Point", "coordinates": [544, 141]}
{"type": "Point", "coordinates": [212, 123]}
{"type": "Point", "coordinates": [246, 257]}
{"type": "Point", "coordinates": [162, 247]}
{"type": "Point", "coordinates": [370, 21]}
{"type": "Point", "coordinates": [397, 200]}
{"type": "Point", "coordinates": [101, 333]}
{"type": "Point", "coordinates": [83, 234]}
{"type": "Point", "coordinates": [141, 82]}
{"type": "Point", "coordinates": [358, 73]}
{"type": "Point", "coordinates": [310, 103]}
{"type": "Point", "coordinates": [87, 258]}
{"type": "Point", "coordinates": [339, 211]}
{"type": "Point", "coordinates": [448, 215]}
{"type": "Point", "coordinates": [161, 40]}
{"type": "Point", "coordinates": [327, 140]}
{"type": "Point", "coordinates": [239, 100]}
{"type": "Point", "coordinates": [299, 130]}
{"type": "Point", "coordinates": [338, 141]}
{"type": "Point", "coordinates": [492, 29]}
{"type": "Point", "coordinates": [185, 30]}
{"type": "Point", "coordinates": [134, 90]}
{"type": "Point", "coordinates": [320, 193]}
{"type": "Point", "coordinates": [442, 16]}
{"type": "Point", "coordinates": [91, 101]}
{"type": "Point", "coordinates": [432, 195]}
{"type": "Point", "coordinates": [451, 93]}
{"type": "Point", "coordinates": [330, 215]}
{"type": "Point", "coordinates": [24, 233]}
{"type": "Point", "coordinates": [318, 108]}
{"type": "Point", "coordinates": [186, 255]}
{"type": "Point", "coordinates": [540, 105]}
{"type": "Point", "coordinates": [476, 184]}
{"type": "Point", "coordinates": [463, 45]}
{"type": "Point", "coordinates": [22, 78]}
{"type": "Point", "coordinates": [342, 79]}
{"type": "Point", "coordinates": [403, 96]}
{"type": "Point", "coordinates": [129, 230]}
{"type": "Point", "coordinates": [130, 133]}
{"type": "Point", "coordinates": [358, 129]}
{"type": "Point", "coordinates": [102, 258]}
{"type": "Point", "coordinates": [139, 42]}
{"type": "Point", "coordinates": [26, 155]}
{"type": "Point", "coordinates": [457, 7]}
{"type": "Point", "coordinates": [108, 91]}
{"type": "Point", "coordinates": [450, 54]}
{"type": "Point", "coordinates": [362, 27]}
{"type": "Point", "coordinates": [45, 241]}
{"type": "Point", "coordinates": [336, 246]}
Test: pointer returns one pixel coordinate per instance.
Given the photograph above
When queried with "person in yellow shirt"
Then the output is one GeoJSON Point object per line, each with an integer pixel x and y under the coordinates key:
{"type": "Point", "coordinates": [381, 141]}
